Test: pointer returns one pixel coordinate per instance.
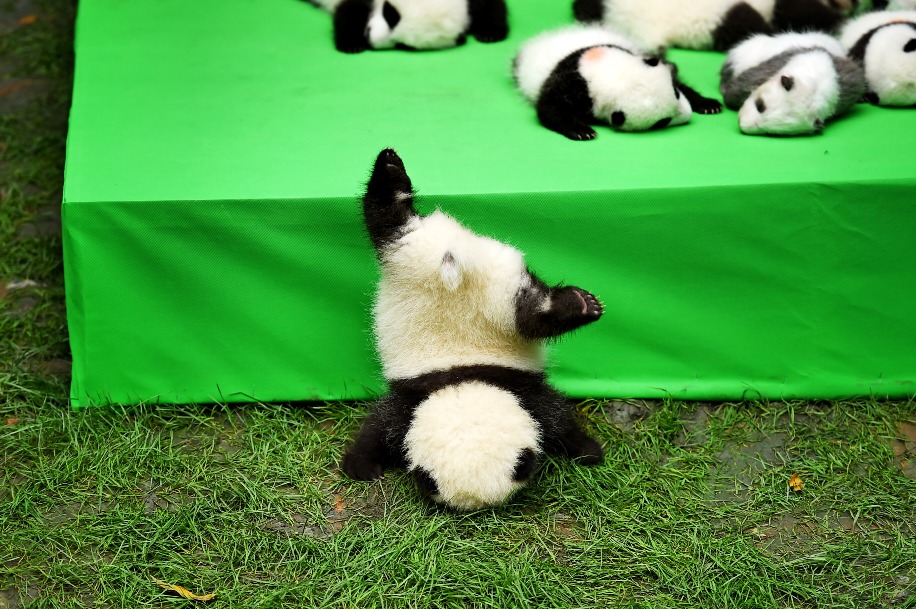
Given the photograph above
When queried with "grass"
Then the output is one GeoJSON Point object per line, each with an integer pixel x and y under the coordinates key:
{"type": "Point", "coordinates": [690, 509]}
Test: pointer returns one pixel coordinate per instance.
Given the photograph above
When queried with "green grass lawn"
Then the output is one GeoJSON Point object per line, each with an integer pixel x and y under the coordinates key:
{"type": "Point", "coordinates": [691, 508]}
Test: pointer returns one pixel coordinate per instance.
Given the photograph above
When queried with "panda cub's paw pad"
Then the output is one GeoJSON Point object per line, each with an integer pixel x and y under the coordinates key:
{"type": "Point", "coordinates": [591, 306]}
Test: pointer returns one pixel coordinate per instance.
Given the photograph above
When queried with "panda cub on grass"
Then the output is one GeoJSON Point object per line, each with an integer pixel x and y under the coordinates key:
{"type": "Point", "coordinates": [580, 75]}
{"type": "Point", "coordinates": [789, 84]}
{"type": "Point", "coordinates": [360, 25]}
{"type": "Point", "coordinates": [460, 323]}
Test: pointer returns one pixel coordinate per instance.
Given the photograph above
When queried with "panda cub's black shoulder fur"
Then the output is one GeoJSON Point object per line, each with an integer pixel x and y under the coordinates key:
{"type": "Point", "coordinates": [460, 323]}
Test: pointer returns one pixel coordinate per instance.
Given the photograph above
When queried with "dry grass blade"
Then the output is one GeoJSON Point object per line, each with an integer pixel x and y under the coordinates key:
{"type": "Point", "coordinates": [183, 591]}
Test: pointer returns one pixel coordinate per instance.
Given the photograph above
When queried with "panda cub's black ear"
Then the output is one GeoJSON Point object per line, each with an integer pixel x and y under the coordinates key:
{"type": "Point", "coordinates": [450, 272]}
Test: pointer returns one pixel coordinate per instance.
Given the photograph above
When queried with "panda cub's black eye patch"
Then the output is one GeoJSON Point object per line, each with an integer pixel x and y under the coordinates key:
{"type": "Point", "coordinates": [761, 107]}
{"type": "Point", "coordinates": [651, 61]}
{"type": "Point", "coordinates": [910, 46]}
{"type": "Point", "coordinates": [391, 15]}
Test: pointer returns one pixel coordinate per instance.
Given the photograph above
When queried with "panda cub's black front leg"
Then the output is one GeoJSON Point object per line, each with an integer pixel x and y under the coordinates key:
{"type": "Point", "coordinates": [350, 20]}
{"type": "Point", "coordinates": [543, 312]}
{"type": "Point", "coordinates": [699, 103]}
{"type": "Point", "coordinates": [388, 202]}
{"type": "Point", "coordinates": [489, 20]}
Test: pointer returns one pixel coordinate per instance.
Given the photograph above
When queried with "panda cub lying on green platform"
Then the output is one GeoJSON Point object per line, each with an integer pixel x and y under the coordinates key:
{"type": "Point", "coordinates": [360, 25]}
{"type": "Point", "coordinates": [460, 323]}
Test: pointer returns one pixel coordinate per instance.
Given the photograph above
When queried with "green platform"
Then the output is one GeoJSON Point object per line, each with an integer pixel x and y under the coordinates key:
{"type": "Point", "coordinates": [214, 250]}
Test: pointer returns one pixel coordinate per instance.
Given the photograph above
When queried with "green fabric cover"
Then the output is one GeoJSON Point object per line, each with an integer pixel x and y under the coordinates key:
{"type": "Point", "coordinates": [214, 248]}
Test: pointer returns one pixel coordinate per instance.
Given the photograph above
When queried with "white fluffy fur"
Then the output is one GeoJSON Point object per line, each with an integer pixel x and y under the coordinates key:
{"type": "Point", "coordinates": [538, 56]}
{"type": "Point", "coordinates": [688, 24]}
{"type": "Point", "coordinates": [889, 71]}
{"type": "Point", "coordinates": [424, 24]}
{"type": "Point", "coordinates": [469, 436]}
{"type": "Point", "coordinates": [803, 109]}
{"type": "Point", "coordinates": [757, 49]}
{"type": "Point", "coordinates": [441, 266]}
{"type": "Point", "coordinates": [616, 80]}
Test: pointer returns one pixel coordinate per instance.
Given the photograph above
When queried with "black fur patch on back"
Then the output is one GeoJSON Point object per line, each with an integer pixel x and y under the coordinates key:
{"type": "Point", "coordinates": [415, 390]}
{"type": "Point", "coordinates": [524, 467]}
{"type": "Point", "coordinates": [741, 21]}
{"type": "Point", "coordinates": [858, 50]}
{"type": "Point", "coordinates": [425, 482]}
{"type": "Point", "coordinates": [564, 104]}
{"type": "Point", "coordinates": [588, 10]}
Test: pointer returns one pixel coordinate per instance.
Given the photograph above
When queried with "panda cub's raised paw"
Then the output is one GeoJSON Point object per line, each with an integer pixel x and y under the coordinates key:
{"type": "Point", "coordinates": [389, 177]}
{"type": "Point", "coordinates": [572, 303]}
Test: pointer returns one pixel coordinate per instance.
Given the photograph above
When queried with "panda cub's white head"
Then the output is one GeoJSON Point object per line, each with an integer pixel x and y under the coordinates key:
{"type": "Point", "coordinates": [632, 91]}
{"type": "Point", "coordinates": [419, 24]}
{"type": "Point", "coordinates": [796, 100]}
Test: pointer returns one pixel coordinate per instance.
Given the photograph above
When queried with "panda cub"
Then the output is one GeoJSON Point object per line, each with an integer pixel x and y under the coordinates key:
{"type": "Point", "coordinates": [789, 84]}
{"type": "Point", "coordinates": [360, 25]}
{"type": "Point", "coordinates": [579, 75]}
{"type": "Point", "coordinates": [707, 24]}
{"type": "Point", "coordinates": [460, 324]}
{"type": "Point", "coordinates": [884, 43]}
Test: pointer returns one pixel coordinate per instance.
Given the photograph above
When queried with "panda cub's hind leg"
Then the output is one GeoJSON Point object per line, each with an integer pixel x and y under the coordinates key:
{"type": "Point", "coordinates": [588, 11]}
{"type": "Point", "coordinates": [489, 20]}
{"type": "Point", "coordinates": [741, 20]}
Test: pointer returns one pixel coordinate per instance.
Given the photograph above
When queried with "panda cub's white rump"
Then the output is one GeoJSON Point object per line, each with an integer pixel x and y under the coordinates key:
{"type": "Point", "coordinates": [472, 436]}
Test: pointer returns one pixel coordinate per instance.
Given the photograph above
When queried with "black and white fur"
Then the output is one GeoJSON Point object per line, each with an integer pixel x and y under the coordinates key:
{"type": "Point", "coordinates": [884, 43]}
{"type": "Point", "coordinates": [789, 84]}
{"type": "Point", "coordinates": [460, 323]}
{"type": "Point", "coordinates": [360, 25]}
{"type": "Point", "coordinates": [581, 75]}
{"type": "Point", "coordinates": [706, 24]}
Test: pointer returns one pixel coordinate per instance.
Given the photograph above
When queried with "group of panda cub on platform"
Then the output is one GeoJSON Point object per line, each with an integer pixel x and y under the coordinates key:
{"type": "Point", "coordinates": [784, 73]}
{"type": "Point", "coordinates": [460, 321]}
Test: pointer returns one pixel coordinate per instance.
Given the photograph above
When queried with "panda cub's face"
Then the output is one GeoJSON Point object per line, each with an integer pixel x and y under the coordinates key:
{"type": "Point", "coordinates": [449, 297]}
{"type": "Point", "coordinates": [632, 92]}
{"type": "Point", "coordinates": [418, 24]}
{"type": "Point", "coordinates": [795, 100]}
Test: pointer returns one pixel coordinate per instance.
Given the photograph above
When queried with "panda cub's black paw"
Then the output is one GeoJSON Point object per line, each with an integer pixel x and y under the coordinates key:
{"type": "Point", "coordinates": [707, 106]}
{"type": "Point", "coordinates": [389, 177]}
{"type": "Point", "coordinates": [580, 135]}
{"type": "Point", "coordinates": [360, 468]}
